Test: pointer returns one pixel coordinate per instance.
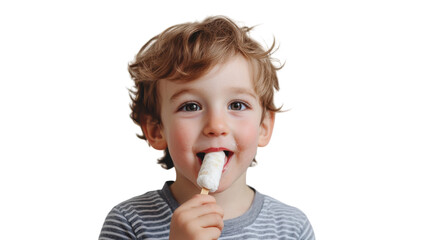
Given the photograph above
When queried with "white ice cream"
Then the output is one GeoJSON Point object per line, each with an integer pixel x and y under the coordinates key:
{"type": "Point", "coordinates": [211, 169]}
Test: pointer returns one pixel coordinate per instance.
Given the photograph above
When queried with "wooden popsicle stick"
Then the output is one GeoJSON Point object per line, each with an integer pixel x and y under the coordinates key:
{"type": "Point", "coordinates": [205, 191]}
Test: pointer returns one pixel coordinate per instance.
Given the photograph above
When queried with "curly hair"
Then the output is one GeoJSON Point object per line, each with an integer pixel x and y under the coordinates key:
{"type": "Point", "coordinates": [186, 52]}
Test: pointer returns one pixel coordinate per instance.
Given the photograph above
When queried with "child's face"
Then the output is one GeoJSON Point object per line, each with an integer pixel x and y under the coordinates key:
{"type": "Point", "coordinates": [219, 111]}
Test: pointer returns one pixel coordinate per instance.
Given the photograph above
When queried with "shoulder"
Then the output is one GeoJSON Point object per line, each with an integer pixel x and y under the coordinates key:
{"type": "Point", "coordinates": [285, 218]}
{"type": "Point", "coordinates": [143, 215]}
{"type": "Point", "coordinates": [150, 199]}
{"type": "Point", "coordinates": [273, 207]}
{"type": "Point", "coordinates": [148, 207]}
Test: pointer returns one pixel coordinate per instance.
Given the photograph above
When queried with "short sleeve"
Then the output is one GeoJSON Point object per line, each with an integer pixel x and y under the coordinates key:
{"type": "Point", "coordinates": [307, 231]}
{"type": "Point", "coordinates": [117, 227]}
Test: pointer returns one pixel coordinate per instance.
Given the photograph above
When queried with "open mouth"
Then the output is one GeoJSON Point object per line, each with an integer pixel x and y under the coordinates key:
{"type": "Point", "coordinates": [201, 156]}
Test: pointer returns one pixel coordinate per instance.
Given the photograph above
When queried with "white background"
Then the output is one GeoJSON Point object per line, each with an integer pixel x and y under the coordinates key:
{"type": "Point", "coordinates": [350, 153]}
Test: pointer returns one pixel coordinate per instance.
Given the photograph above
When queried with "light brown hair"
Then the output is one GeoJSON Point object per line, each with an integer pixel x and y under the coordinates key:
{"type": "Point", "coordinates": [186, 52]}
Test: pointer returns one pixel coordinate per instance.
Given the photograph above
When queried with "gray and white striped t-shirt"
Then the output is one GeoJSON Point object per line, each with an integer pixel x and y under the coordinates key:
{"type": "Point", "coordinates": [148, 217]}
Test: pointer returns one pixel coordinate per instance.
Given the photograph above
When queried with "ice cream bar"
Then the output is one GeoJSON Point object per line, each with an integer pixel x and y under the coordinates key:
{"type": "Point", "coordinates": [210, 172]}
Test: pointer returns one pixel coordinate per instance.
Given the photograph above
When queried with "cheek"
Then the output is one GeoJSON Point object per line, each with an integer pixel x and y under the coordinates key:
{"type": "Point", "coordinates": [247, 136]}
{"type": "Point", "coordinates": [178, 134]}
{"type": "Point", "coordinates": [248, 130]}
{"type": "Point", "coordinates": [180, 138]}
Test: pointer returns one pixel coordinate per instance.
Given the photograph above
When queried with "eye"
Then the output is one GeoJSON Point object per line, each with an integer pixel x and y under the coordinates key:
{"type": "Point", "coordinates": [190, 107]}
{"type": "Point", "coordinates": [237, 106]}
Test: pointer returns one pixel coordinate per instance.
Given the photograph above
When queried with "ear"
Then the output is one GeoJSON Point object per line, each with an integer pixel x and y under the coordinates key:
{"type": "Point", "coordinates": [153, 132]}
{"type": "Point", "coordinates": [266, 128]}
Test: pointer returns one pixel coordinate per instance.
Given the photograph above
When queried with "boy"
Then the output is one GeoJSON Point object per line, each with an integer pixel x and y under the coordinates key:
{"type": "Point", "coordinates": [205, 87]}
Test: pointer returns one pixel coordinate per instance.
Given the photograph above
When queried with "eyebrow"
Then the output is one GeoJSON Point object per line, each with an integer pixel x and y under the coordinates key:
{"type": "Point", "coordinates": [181, 92]}
{"type": "Point", "coordinates": [235, 90]}
{"type": "Point", "coordinates": [243, 91]}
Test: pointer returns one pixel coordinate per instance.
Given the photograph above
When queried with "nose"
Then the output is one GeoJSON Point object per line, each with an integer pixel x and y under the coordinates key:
{"type": "Point", "coordinates": [216, 125]}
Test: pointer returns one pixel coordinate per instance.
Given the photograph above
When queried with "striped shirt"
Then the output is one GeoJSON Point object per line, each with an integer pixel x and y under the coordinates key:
{"type": "Point", "coordinates": [148, 217]}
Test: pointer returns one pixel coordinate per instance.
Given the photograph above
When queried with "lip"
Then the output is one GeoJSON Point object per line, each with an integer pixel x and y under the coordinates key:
{"type": "Point", "coordinates": [208, 150]}
{"type": "Point", "coordinates": [213, 149]}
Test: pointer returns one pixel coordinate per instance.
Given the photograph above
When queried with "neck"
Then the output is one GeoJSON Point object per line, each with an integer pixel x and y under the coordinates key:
{"type": "Point", "coordinates": [235, 200]}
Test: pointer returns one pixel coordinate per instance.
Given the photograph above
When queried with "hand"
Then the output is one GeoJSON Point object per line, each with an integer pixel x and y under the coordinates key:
{"type": "Point", "coordinates": [198, 218]}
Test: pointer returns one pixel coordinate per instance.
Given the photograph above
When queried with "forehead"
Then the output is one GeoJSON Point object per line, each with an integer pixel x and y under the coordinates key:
{"type": "Point", "coordinates": [235, 72]}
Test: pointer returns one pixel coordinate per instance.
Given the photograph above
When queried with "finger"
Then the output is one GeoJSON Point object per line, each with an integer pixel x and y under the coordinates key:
{"type": "Point", "coordinates": [198, 200]}
{"type": "Point", "coordinates": [210, 221]}
{"type": "Point", "coordinates": [209, 208]}
{"type": "Point", "coordinates": [184, 215]}
{"type": "Point", "coordinates": [212, 233]}
{"type": "Point", "coordinates": [196, 207]}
